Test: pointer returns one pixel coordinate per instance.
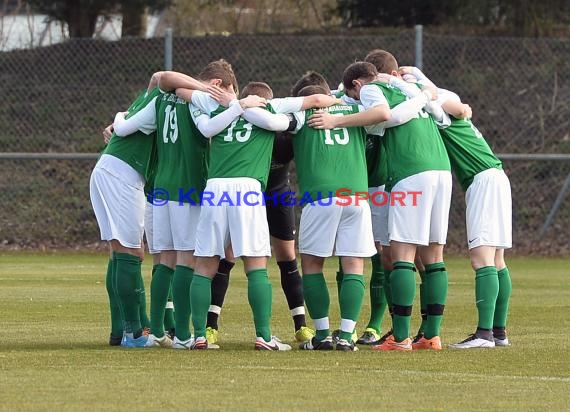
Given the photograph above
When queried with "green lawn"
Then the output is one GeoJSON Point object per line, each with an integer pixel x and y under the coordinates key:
{"type": "Point", "coordinates": [54, 353]}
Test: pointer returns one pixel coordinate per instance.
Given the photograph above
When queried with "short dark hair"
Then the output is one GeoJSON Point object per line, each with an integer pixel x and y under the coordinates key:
{"type": "Point", "coordinates": [384, 61]}
{"type": "Point", "coordinates": [310, 78]}
{"type": "Point", "coordinates": [358, 70]}
{"type": "Point", "coordinates": [313, 89]}
{"type": "Point", "coordinates": [220, 69]}
{"type": "Point", "coordinates": [259, 88]}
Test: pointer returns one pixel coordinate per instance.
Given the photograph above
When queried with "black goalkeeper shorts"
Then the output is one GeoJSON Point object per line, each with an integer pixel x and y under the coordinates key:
{"type": "Point", "coordinates": [281, 220]}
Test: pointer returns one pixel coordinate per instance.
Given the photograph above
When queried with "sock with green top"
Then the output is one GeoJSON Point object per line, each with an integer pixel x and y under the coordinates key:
{"type": "Point", "coordinates": [351, 296]}
{"type": "Point", "coordinates": [378, 301]}
{"type": "Point", "coordinates": [403, 283]}
{"type": "Point", "coordinates": [260, 297]}
{"type": "Point", "coordinates": [145, 321]}
{"type": "Point", "coordinates": [486, 291]}
{"type": "Point", "coordinates": [181, 281]}
{"type": "Point", "coordinates": [159, 286]}
{"type": "Point", "coordinates": [128, 268]}
{"type": "Point", "coordinates": [200, 297]}
{"type": "Point", "coordinates": [114, 308]}
{"type": "Point", "coordinates": [436, 296]}
{"type": "Point", "coordinates": [318, 302]}
{"type": "Point", "coordinates": [502, 302]}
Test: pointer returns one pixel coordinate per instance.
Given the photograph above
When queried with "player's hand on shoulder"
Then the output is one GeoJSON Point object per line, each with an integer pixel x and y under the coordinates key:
{"type": "Point", "coordinates": [406, 70]}
{"type": "Point", "coordinates": [384, 78]}
{"type": "Point", "coordinates": [432, 90]}
{"type": "Point", "coordinates": [107, 133]}
{"type": "Point", "coordinates": [252, 101]}
{"type": "Point", "coordinates": [329, 100]}
{"type": "Point", "coordinates": [467, 112]}
{"type": "Point", "coordinates": [120, 116]}
{"type": "Point", "coordinates": [413, 71]}
{"type": "Point", "coordinates": [322, 120]}
{"type": "Point", "coordinates": [222, 96]}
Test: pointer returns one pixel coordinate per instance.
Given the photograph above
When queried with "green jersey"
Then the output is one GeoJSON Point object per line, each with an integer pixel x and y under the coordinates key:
{"type": "Point", "coordinates": [413, 147]}
{"type": "Point", "coordinates": [151, 172]}
{"type": "Point", "coordinates": [330, 160]}
{"type": "Point", "coordinates": [376, 161]}
{"type": "Point", "coordinates": [182, 151]}
{"type": "Point", "coordinates": [241, 150]}
{"type": "Point", "coordinates": [137, 149]}
{"type": "Point", "coordinates": [468, 151]}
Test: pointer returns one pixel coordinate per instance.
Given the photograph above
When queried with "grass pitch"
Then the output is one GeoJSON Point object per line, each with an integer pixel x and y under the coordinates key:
{"type": "Point", "coordinates": [54, 353]}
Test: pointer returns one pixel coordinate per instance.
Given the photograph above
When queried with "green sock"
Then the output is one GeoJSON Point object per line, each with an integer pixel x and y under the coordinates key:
{"type": "Point", "coordinates": [486, 291]}
{"type": "Point", "coordinates": [423, 300]}
{"type": "Point", "coordinates": [435, 296]}
{"type": "Point", "coordinates": [128, 272]}
{"type": "Point", "coordinates": [318, 300]}
{"type": "Point", "coordinates": [351, 296]}
{"type": "Point", "coordinates": [200, 297]}
{"type": "Point", "coordinates": [339, 276]}
{"type": "Point", "coordinates": [502, 303]}
{"type": "Point", "coordinates": [169, 317]}
{"type": "Point", "coordinates": [145, 321]}
{"type": "Point", "coordinates": [403, 284]}
{"type": "Point", "coordinates": [260, 299]}
{"type": "Point", "coordinates": [159, 286]}
{"type": "Point", "coordinates": [114, 308]}
{"type": "Point", "coordinates": [388, 289]}
{"type": "Point", "coordinates": [181, 281]}
{"type": "Point", "coordinates": [378, 302]}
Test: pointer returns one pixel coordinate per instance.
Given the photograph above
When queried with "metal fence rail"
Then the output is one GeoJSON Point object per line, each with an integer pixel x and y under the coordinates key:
{"type": "Point", "coordinates": [54, 209]}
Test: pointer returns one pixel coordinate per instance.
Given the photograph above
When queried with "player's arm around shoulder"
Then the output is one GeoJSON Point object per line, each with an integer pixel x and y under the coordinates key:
{"type": "Point", "coordinates": [274, 122]}
{"type": "Point", "coordinates": [144, 120]}
{"type": "Point", "coordinates": [451, 103]}
{"type": "Point", "coordinates": [211, 126]}
{"type": "Point", "coordinates": [170, 80]}
{"type": "Point", "coordinates": [376, 111]}
{"type": "Point", "coordinates": [316, 101]}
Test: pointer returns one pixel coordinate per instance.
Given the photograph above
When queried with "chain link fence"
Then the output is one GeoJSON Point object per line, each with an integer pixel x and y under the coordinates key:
{"type": "Point", "coordinates": [58, 99]}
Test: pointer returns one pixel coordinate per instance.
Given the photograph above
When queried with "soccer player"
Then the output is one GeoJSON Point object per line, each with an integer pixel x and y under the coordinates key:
{"type": "Point", "coordinates": [220, 284]}
{"type": "Point", "coordinates": [116, 191]}
{"type": "Point", "coordinates": [331, 171]}
{"type": "Point", "coordinates": [417, 165]}
{"type": "Point", "coordinates": [488, 217]}
{"type": "Point", "coordinates": [181, 149]}
{"type": "Point", "coordinates": [168, 256]}
{"type": "Point", "coordinates": [282, 228]}
{"type": "Point", "coordinates": [239, 163]}
{"type": "Point", "coordinates": [116, 335]}
{"type": "Point", "coordinates": [377, 174]}
{"type": "Point", "coordinates": [281, 222]}
{"type": "Point", "coordinates": [313, 78]}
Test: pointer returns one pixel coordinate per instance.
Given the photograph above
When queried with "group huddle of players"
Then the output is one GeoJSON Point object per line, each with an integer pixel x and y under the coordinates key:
{"type": "Point", "coordinates": [388, 129]}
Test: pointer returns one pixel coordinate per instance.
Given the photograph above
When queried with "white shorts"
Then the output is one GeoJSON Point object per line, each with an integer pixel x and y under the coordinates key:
{"type": "Point", "coordinates": [117, 197]}
{"type": "Point", "coordinates": [489, 210]}
{"type": "Point", "coordinates": [174, 226]}
{"type": "Point", "coordinates": [422, 215]}
{"type": "Point", "coordinates": [148, 231]}
{"type": "Point", "coordinates": [244, 225]}
{"type": "Point", "coordinates": [379, 206]}
{"type": "Point", "coordinates": [335, 229]}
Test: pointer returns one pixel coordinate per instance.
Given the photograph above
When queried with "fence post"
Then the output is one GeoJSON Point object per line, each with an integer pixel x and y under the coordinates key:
{"type": "Point", "coordinates": [168, 49]}
{"type": "Point", "coordinates": [418, 57]}
{"type": "Point", "coordinates": [557, 203]}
